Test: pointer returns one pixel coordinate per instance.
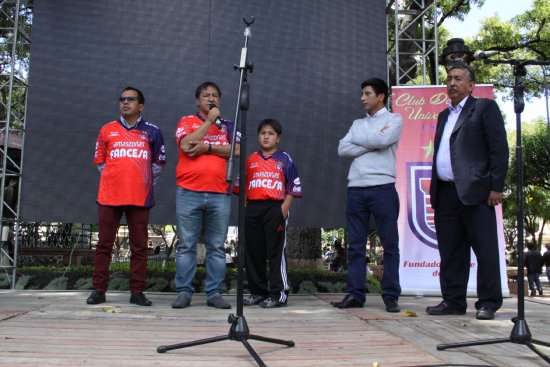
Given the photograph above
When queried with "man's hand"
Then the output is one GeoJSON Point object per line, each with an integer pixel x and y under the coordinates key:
{"type": "Point", "coordinates": [495, 198]}
{"type": "Point", "coordinates": [213, 114]}
{"type": "Point", "coordinates": [196, 148]}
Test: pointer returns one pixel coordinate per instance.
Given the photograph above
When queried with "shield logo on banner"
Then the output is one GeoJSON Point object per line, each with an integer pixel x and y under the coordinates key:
{"type": "Point", "coordinates": [419, 210]}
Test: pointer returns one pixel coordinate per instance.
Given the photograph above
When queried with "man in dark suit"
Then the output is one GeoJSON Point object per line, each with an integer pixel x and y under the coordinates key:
{"type": "Point", "coordinates": [470, 165]}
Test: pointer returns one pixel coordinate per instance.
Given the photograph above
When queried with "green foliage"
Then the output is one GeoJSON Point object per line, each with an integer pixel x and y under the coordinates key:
{"type": "Point", "coordinates": [84, 284]}
{"type": "Point", "coordinates": [307, 286]}
{"type": "Point", "coordinates": [526, 36]}
{"type": "Point", "coordinates": [22, 281]}
{"type": "Point", "coordinates": [536, 183]}
{"type": "Point", "coordinates": [59, 283]}
{"type": "Point", "coordinates": [119, 284]}
{"type": "Point", "coordinates": [328, 234]}
{"type": "Point", "coordinates": [329, 287]}
{"type": "Point", "coordinates": [83, 268]}
{"type": "Point", "coordinates": [300, 281]}
{"type": "Point", "coordinates": [373, 285]}
{"type": "Point", "coordinates": [233, 287]}
{"type": "Point", "coordinates": [4, 281]}
{"type": "Point", "coordinates": [157, 284]}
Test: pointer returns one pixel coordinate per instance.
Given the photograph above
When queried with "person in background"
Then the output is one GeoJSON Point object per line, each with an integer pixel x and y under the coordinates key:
{"type": "Point", "coordinates": [546, 259]}
{"type": "Point", "coordinates": [533, 263]}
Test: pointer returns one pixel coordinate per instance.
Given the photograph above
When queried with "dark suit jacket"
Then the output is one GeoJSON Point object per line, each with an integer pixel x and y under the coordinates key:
{"type": "Point", "coordinates": [479, 151]}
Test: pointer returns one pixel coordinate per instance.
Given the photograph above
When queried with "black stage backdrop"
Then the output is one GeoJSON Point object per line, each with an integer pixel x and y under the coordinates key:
{"type": "Point", "coordinates": [310, 57]}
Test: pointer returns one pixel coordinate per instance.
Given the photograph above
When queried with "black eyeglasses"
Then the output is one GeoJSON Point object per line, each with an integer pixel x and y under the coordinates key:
{"type": "Point", "coordinates": [129, 99]}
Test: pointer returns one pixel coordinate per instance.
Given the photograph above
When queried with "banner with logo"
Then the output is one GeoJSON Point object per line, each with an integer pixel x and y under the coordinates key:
{"type": "Point", "coordinates": [419, 268]}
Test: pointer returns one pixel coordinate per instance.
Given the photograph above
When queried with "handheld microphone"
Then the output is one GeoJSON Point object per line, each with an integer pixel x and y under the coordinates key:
{"type": "Point", "coordinates": [482, 55]}
{"type": "Point", "coordinates": [218, 121]}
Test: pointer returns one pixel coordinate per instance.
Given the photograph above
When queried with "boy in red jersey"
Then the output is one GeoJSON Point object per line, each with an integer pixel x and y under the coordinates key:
{"type": "Point", "coordinates": [271, 183]}
{"type": "Point", "coordinates": [130, 156]}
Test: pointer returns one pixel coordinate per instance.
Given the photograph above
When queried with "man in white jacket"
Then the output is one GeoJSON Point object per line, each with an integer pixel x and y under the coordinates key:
{"type": "Point", "coordinates": [372, 142]}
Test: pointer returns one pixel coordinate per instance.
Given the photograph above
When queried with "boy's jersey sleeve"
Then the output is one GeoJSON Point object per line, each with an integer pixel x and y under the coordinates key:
{"type": "Point", "coordinates": [292, 184]}
{"type": "Point", "coordinates": [157, 148]}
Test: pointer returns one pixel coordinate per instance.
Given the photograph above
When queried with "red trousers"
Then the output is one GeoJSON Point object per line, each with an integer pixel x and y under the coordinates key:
{"type": "Point", "coordinates": [109, 219]}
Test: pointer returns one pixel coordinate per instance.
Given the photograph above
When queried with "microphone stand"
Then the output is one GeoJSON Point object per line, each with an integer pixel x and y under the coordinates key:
{"type": "Point", "coordinates": [520, 333]}
{"type": "Point", "coordinates": [239, 329]}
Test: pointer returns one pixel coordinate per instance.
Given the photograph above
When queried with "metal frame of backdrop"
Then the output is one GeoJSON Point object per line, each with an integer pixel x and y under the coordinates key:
{"type": "Point", "coordinates": [15, 42]}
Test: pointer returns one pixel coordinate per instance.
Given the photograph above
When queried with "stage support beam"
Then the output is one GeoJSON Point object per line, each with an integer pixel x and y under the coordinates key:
{"type": "Point", "coordinates": [412, 44]}
{"type": "Point", "coordinates": [14, 50]}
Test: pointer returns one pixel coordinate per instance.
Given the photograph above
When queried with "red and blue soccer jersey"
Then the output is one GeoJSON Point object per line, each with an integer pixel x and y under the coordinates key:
{"type": "Point", "coordinates": [271, 178]}
{"type": "Point", "coordinates": [128, 155]}
{"type": "Point", "coordinates": [207, 171]}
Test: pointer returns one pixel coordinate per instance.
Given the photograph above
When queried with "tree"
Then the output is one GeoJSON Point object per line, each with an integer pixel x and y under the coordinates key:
{"type": "Point", "coordinates": [526, 36]}
{"type": "Point", "coordinates": [17, 62]}
{"type": "Point", "coordinates": [410, 23]}
{"type": "Point", "coordinates": [536, 183]}
{"type": "Point", "coordinates": [304, 248]}
{"type": "Point", "coordinates": [161, 230]}
{"type": "Point", "coordinates": [535, 154]}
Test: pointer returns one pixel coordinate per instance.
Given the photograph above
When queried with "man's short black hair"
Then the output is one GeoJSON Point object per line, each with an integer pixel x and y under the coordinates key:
{"type": "Point", "coordinates": [276, 125]}
{"type": "Point", "coordinates": [378, 85]}
{"type": "Point", "coordinates": [531, 245]}
{"type": "Point", "coordinates": [141, 97]}
{"type": "Point", "coordinates": [205, 85]}
{"type": "Point", "coordinates": [471, 72]}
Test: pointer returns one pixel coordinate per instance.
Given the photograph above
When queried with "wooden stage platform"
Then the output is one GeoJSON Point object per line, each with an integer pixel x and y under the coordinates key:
{"type": "Point", "coordinates": [54, 328]}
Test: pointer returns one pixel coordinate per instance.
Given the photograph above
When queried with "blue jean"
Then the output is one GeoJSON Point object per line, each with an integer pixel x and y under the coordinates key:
{"type": "Point", "coordinates": [383, 203]}
{"type": "Point", "coordinates": [193, 211]}
{"type": "Point", "coordinates": [534, 280]}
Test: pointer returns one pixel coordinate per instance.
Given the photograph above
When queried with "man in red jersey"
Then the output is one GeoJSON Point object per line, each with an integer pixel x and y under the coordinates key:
{"type": "Point", "coordinates": [202, 195]}
{"type": "Point", "coordinates": [130, 156]}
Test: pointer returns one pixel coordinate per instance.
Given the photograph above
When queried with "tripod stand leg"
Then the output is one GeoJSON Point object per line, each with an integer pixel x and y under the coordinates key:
{"type": "Point", "coordinates": [288, 343]}
{"type": "Point", "coordinates": [166, 348]}
{"type": "Point", "coordinates": [536, 350]}
{"type": "Point", "coordinates": [473, 343]}
{"type": "Point", "coordinates": [253, 353]}
{"type": "Point", "coordinates": [535, 341]}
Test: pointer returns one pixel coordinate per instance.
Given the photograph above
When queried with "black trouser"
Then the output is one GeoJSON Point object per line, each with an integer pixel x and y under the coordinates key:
{"type": "Point", "coordinates": [265, 244]}
{"type": "Point", "coordinates": [459, 227]}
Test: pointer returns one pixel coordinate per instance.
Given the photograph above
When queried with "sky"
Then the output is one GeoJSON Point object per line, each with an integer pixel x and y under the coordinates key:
{"type": "Point", "coordinates": [505, 9]}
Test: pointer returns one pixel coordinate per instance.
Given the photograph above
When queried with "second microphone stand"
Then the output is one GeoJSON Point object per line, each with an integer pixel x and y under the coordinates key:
{"type": "Point", "coordinates": [239, 330]}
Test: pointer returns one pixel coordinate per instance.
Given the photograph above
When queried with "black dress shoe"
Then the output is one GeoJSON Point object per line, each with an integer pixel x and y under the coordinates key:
{"type": "Point", "coordinates": [392, 306]}
{"type": "Point", "coordinates": [96, 297]}
{"type": "Point", "coordinates": [140, 299]}
{"type": "Point", "coordinates": [347, 302]}
{"type": "Point", "coordinates": [485, 313]}
{"type": "Point", "coordinates": [443, 309]}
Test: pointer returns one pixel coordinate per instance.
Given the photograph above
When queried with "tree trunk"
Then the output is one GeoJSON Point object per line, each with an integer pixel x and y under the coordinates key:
{"type": "Point", "coordinates": [304, 248]}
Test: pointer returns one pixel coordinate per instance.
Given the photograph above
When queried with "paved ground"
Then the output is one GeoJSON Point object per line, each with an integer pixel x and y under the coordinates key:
{"type": "Point", "coordinates": [41, 328]}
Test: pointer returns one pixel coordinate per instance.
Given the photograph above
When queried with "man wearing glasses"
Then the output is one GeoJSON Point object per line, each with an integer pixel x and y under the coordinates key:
{"type": "Point", "coordinates": [130, 156]}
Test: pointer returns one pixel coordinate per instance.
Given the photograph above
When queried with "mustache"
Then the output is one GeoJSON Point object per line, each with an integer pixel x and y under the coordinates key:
{"type": "Point", "coordinates": [453, 89]}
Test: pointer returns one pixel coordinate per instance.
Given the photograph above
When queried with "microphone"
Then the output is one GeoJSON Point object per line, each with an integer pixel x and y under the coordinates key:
{"type": "Point", "coordinates": [218, 121]}
{"type": "Point", "coordinates": [482, 55]}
